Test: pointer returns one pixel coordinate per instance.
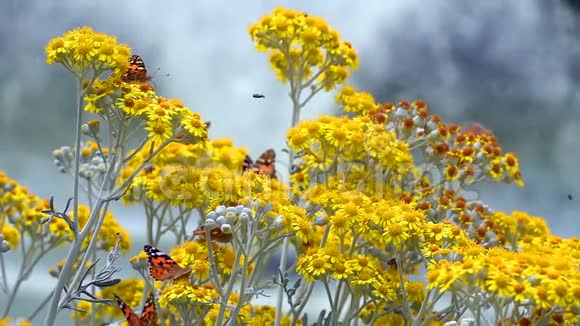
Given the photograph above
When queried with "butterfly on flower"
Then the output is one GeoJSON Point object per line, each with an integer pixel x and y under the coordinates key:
{"type": "Point", "coordinates": [216, 235]}
{"type": "Point", "coordinates": [148, 316]}
{"type": "Point", "coordinates": [136, 71]}
{"type": "Point", "coordinates": [162, 267]}
{"type": "Point", "coordinates": [479, 129]}
{"type": "Point", "coordinates": [265, 164]}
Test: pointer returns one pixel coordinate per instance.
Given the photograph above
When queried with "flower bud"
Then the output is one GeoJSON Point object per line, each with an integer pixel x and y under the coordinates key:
{"type": "Point", "coordinates": [240, 209]}
{"type": "Point", "coordinates": [211, 216]}
{"type": "Point", "coordinates": [4, 247]}
{"type": "Point", "coordinates": [101, 167]}
{"type": "Point", "coordinates": [401, 113]}
{"type": "Point", "coordinates": [226, 228]}
{"type": "Point", "coordinates": [94, 126]}
{"type": "Point", "coordinates": [221, 220]}
{"type": "Point", "coordinates": [267, 208]}
{"type": "Point", "coordinates": [320, 220]}
{"type": "Point", "coordinates": [277, 225]}
{"type": "Point", "coordinates": [467, 322]}
{"type": "Point", "coordinates": [231, 216]}
{"type": "Point", "coordinates": [221, 210]}
{"type": "Point", "coordinates": [244, 217]}
{"type": "Point", "coordinates": [211, 224]}
{"type": "Point", "coordinates": [85, 129]}
{"type": "Point", "coordinates": [8, 188]}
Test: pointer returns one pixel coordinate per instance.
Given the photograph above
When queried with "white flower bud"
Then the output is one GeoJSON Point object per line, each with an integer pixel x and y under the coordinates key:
{"type": "Point", "coordinates": [319, 220]}
{"type": "Point", "coordinates": [4, 247]}
{"type": "Point", "coordinates": [267, 208]}
{"type": "Point", "coordinates": [85, 129]}
{"type": "Point", "coordinates": [221, 220]}
{"type": "Point", "coordinates": [432, 125]}
{"type": "Point", "coordinates": [401, 113]}
{"type": "Point", "coordinates": [211, 216]}
{"type": "Point", "coordinates": [277, 225]}
{"type": "Point", "coordinates": [226, 228]}
{"type": "Point", "coordinates": [467, 322]}
{"type": "Point", "coordinates": [221, 210]}
{"type": "Point", "coordinates": [240, 209]}
{"type": "Point", "coordinates": [244, 217]}
{"type": "Point", "coordinates": [231, 216]}
{"type": "Point", "coordinates": [101, 167]}
{"type": "Point", "coordinates": [211, 224]}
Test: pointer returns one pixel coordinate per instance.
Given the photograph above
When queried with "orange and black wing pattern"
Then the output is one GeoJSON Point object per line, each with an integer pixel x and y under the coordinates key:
{"type": "Point", "coordinates": [136, 71]}
{"type": "Point", "coordinates": [265, 164]}
{"type": "Point", "coordinates": [148, 317]}
{"type": "Point", "coordinates": [216, 235]}
{"type": "Point", "coordinates": [149, 314]}
{"type": "Point", "coordinates": [162, 267]}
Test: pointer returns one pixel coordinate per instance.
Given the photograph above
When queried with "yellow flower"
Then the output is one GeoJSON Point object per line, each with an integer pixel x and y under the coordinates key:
{"type": "Point", "coordinates": [385, 288]}
{"type": "Point", "coordinates": [11, 235]}
{"type": "Point", "coordinates": [86, 308]}
{"type": "Point", "coordinates": [159, 130]}
{"type": "Point", "coordinates": [83, 50]}
{"type": "Point", "coordinates": [303, 229]}
{"type": "Point", "coordinates": [499, 283]}
{"type": "Point", "coordinates": [300, 44]}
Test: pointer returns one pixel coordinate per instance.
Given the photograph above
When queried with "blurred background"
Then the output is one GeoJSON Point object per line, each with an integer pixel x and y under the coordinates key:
{"type": "Point", "coordinates": [513, 66]}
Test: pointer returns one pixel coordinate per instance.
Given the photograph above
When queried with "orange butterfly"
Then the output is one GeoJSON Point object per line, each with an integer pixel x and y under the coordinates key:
{"type": "Point", "coordinates": [148, 316]}
{"type": "Point", "coordinates": [136, 71]}
{"type": "Point", "coordinates": [162, 267]}
{"type": "Point", "coordinates": [479, 129]}
{"type": "Point", "coordinates": [216, 235]}
{"type": "Point", "coordinates": [265, 164]}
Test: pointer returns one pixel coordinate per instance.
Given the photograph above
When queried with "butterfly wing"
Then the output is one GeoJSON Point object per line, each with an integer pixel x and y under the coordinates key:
{"type": "Point", "coordinates": [149, 314]}
{"type": "Point", "coordinates": [136, 71]}
{"type": "Point", "coordinates": [131, 317]}
{"type": "Point", "coordinates": [216, 235]}
{"type": "Point", "coordinates": [162, 267]}
{"type": "Point", "coordinates": [248, 163]}
{"type": "Point", "coordinates": [265, 164]}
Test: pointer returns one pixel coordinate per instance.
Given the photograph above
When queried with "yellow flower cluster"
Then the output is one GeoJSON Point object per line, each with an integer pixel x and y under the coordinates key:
{"type": "Point", "coordinates": [299, 44]}
{"type": "Point", "coordinates": [164, 119]}
{"type": "Point", "coordinates": [198, 302]}
{"type": "Point", "coordinates": [543, 275]}
{"type": "Point", "coordinates": [352, 147]}
{"type": "Point", "coordinates": [359, 103]}
{"type": "Point", "coordinates": [18, 209]}
{"type": "Point", "coordinates": [362, 217]}
{"type": "Point", "coordinates": [215, 159]}
{"type": "Point", "coordinates": [517, 228]}
{"type": "Point", "coordinates": [83, 50]}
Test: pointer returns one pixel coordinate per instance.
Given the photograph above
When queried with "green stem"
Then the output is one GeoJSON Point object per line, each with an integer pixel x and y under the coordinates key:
{"type": "Point", "coordinates": [19, 280]}
{"type": "Point", "coordinates": [72, 255]}
{"type": "Point", "coordinates": [229, 289]}
{"type": "Point", "coordinates": [77, 150]}
{"type": "Point", "coordinates": [4, 278]}
{"type": "Point", "coordinates": [24, 272]}
{"type": "Point", "coordinates": [303, 301]}
{"type": "Point", "coordinates": [295, 96]}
